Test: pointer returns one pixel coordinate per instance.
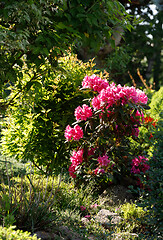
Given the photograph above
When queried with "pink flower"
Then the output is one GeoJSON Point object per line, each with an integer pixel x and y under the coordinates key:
{"type": "Point", "coordinates": [83, 113]}
{"type": "Point", "coordinates": [113, 94]}
{"type": "Point", "coordinates": [139, 165]}
{"type": "Point", "coordinates": [145, 167]}
{"type": "Point", "coordinates": [87, 216]}
{"type": "Point", "coordinates": [71, 170]}
{"type": "Point", "coordinates": [94, 82]}
{"type": "Point", "coordinates": [69, 132]}
{"type": "Point", "coordinates": [78, 132]}
{"type": "Point", "coordinates": [135, 170]}
{"type": "Point", "coordinates": [101, 171]}
{"type": "Point", "coordinates": [139, 117]}
{"type": "Point", "coordinates": [94, 206]}
{"type": "Point", "coordinates": [82, 208]}
{"type": "Point", "coordinates": [73, 133]}
{"type": "Point", "coordinates": [96, 103]}
{"type": "Point", "coordinates": [142, 97]}
{"type": "Point", "coordinates": [103, 161]}
{"type": "Point", "coordinates": [91, 151]}
{"type": "Point", "coordinates": [135, 132]}
{"type": "Point", "coordinates": [77, 157]}
{"type": "Point", "coordinates": [96, 171]}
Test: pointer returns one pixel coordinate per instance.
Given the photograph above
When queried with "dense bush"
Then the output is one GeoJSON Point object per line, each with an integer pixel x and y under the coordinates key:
{"type": "Point", "coordinates": [152, 199]}
{"type": "Point", "coordinates": [104, 133]}
{"type": "Point", "coordinates": [34, 126]}
{"type": "Point", "coordinates": [12, 234]}
{"type": "Point", "coordinates": [156, 104]}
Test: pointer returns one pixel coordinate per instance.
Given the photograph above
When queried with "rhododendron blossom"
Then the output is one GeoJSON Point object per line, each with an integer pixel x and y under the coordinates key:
{"type": "Point", "coordinates": [72, 170]}
{"type": "Point", "coordinates": [138, 117]}
{"type": "Point", "coordinates": [117, 94]}
{"type": "Point", "coordinates": [91, 151]}
{"type": "Point", "coordinates": [82, 113]}
{"type": "Point", "coordinates": [135, 132]}
{"type": "Point", "coordinates": [95, 83]}
{"type": "Point", "coordinates": [139, 164]}
{"type": "Point", "coordinates": [77, 157]}
{"type": "Point", "coordinates": [73, 133]}
{"type": "Point", "coordinates": [98, 170]}
{"type": "Point", "coordinates": [103, 161]}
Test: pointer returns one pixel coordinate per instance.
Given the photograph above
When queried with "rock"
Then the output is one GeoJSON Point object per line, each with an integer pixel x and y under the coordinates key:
{"type": "Point", "coordinates": [92, 237]}
{"type": "Point", "coordinates": [116, 194]}
{"type": "Point", "coordinates": [68, 234]}
{"type": "Point", "coordinates": [107, 218]}
{"type": "Point", "coordinates": [46, 235]}
{"type": "Point", "coordinates": [85, 220]}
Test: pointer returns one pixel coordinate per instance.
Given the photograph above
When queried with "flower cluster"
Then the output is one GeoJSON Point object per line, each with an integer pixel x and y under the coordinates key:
{"type": "Point", "coordinates": [113, 94]}
{"type": "Point", "coordinates": [76, 159]}
{"type": "Point", "coordinates": [103, 161]}
{"type": "Point", "coordinates": [73, 133]}
{"type": "Point", "coordinates": [82, 208]}
{"type": "Point", "coordinates": [72, 170]}
{"type": "Point", "coordinates": [82, 113]}
{"type": "Point", "coordinates": [138, 117]}
{"type": "Point", "coordinates": [139, 164]}
{"type": "Point", "coordinates": [98, 171]}
{"type": "Point", "coordinates": [95, 83]}
{"type": "Point", "coordinates": [135, 131]}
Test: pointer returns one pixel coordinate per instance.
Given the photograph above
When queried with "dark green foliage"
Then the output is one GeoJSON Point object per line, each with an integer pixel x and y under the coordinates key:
{"type": "Point", "coordinates": [145, 43]}
{"type": "Point", "coordinates": [152, 197]}
{"type": "Point", "coordinates": [35, 33]}
{"type": "Point", "coordinates": [117, 63]}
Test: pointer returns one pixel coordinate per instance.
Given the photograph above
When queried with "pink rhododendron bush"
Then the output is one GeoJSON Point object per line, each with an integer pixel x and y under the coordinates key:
{"type": "Point", "coordinates": [101, 137]}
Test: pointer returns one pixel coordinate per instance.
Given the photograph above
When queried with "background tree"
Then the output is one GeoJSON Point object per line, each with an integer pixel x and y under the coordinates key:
{"type": "Point", "coordinates": [33, 34]}
{"type": "Point", "coordinates": [140, 48]}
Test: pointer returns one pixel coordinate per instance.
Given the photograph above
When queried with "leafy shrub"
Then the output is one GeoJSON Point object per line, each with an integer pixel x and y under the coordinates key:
{"type": "Point", "coordinates": [156, 104]}
{"type": "Point", "coordinates": [104, 131]}
{"type": "Point", "coordinates": [133, 219]}
{"type": "Point", "coordinates": [12, 234]}
{"type": "Point", "coordinates": [151, 197]}
{"type": "Point", "coordinates": [34, 127]}
{"type": "Point", "coordinates": [131, 211]}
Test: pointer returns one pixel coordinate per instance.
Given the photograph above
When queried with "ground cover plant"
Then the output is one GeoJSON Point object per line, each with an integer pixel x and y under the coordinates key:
{"type": "Point", "coordinates": [12, 234]}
